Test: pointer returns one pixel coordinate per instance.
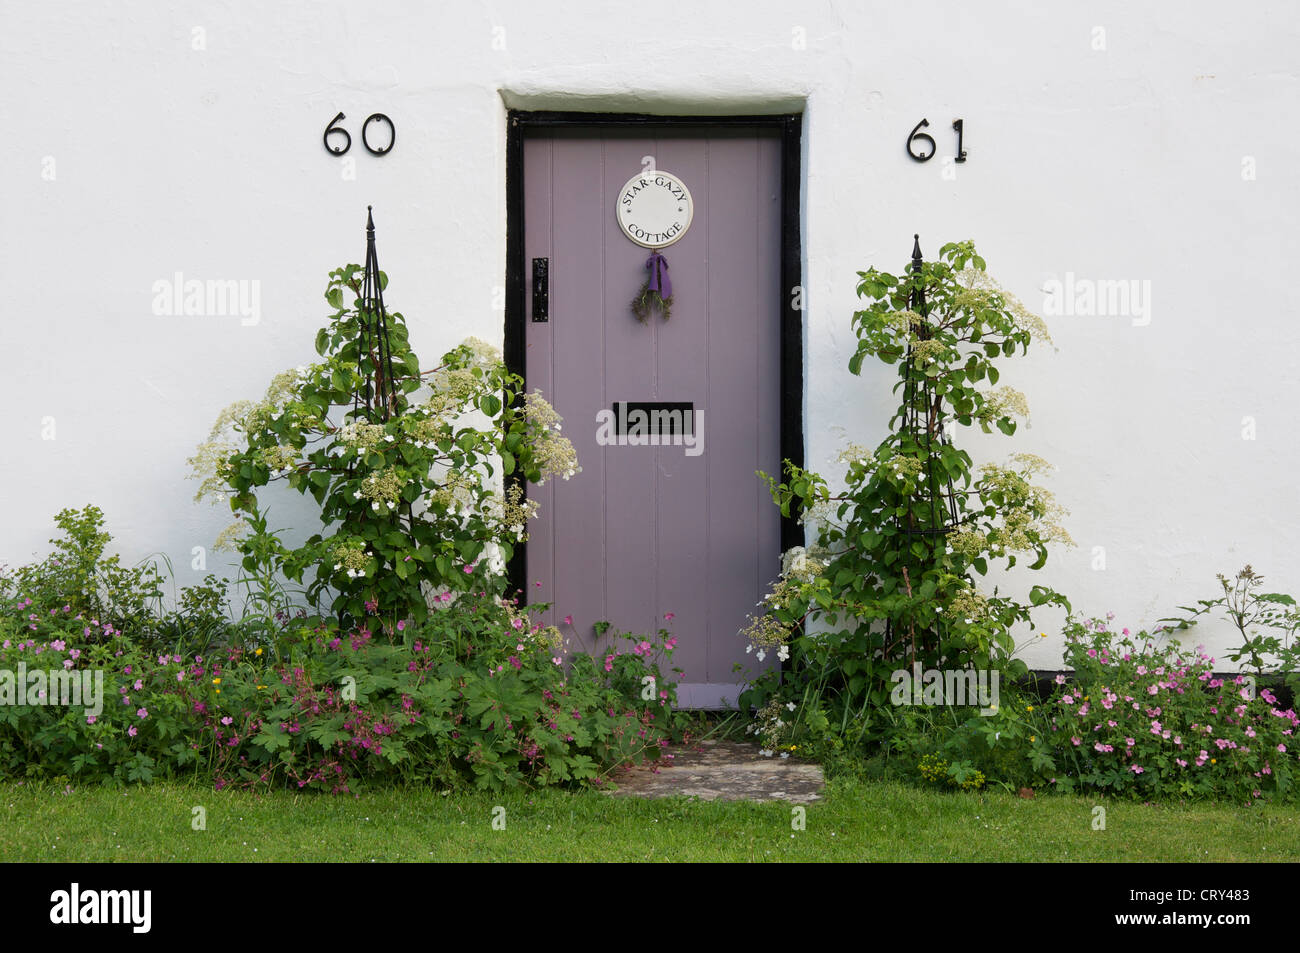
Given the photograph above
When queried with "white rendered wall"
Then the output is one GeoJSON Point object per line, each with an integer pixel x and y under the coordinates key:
{"type": "Point", "coordinates": [1119, 162]}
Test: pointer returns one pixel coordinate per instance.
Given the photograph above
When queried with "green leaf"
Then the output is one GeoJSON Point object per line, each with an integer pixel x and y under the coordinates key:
{"type": "Point", "coordinates": [1278, 597]}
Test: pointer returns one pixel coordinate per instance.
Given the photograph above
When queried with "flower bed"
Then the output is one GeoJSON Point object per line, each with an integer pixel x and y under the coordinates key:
{"type": "Point", "coordinates": [479, 692]}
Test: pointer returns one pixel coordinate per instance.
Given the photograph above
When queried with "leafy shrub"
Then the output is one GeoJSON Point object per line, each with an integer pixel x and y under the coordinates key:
{"type": "Point", "coordinates": [80, 574]}
{"type": "Point", "coordinates": [930, 744]}
{"type": "Point", "coordinates": [415, 471]}
{"type": "Point", "coordinates": [937, 771]}
{"type": "Point", "coordinates": [79, 577]}
{"type": "Point", "coordinates": [892, 577]}
{"type": "Point", "coordinates": [476, 692]}
{"type": "Point", "coordinates": [1140, 719]}
{"type": "Point", "coordinates": [1266, 621]}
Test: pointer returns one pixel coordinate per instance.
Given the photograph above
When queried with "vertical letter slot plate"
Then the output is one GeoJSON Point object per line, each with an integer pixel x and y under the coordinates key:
{"type": "Point", "coordinates": [541, 289]}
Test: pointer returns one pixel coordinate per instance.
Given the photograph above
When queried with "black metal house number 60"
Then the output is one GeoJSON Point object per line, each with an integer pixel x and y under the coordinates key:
{"type": "Point", "coordinates": [917, 136]}
{"type": "Point", "coordinates": [331, 130]}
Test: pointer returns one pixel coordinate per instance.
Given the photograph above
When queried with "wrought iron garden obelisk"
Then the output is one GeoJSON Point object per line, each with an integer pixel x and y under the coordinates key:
{"type": "Point", "coordinates": [923, 427]}
{"type": "Point", "coordinates": [377, 400]}
{"type": "Point", "coordinates": [933, 511]}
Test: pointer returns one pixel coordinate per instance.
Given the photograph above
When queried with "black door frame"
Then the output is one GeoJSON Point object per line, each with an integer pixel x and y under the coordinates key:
{"type": "Point", "coordinates": [791, 344]}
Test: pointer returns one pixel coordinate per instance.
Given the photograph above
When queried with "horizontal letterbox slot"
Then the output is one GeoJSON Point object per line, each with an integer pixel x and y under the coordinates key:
{"type": "Point", "coordinates": [655, 417]}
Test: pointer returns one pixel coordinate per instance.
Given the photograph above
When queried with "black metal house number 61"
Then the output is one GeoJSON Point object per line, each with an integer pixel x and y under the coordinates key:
{"type": "Point", "coordinates": [916, 135]}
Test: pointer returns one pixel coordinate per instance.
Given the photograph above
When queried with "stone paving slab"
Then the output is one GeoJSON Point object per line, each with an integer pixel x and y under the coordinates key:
{"type": "Point", "coordinates": [726, 771]}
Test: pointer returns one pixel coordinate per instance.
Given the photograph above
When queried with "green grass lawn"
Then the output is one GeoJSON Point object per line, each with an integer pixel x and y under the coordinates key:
{"type": "Point", "coordinates": [857, 821]}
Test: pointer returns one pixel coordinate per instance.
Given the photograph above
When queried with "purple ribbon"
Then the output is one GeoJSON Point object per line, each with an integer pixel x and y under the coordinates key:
{"type": "Point", "coordinates": [659, 280]}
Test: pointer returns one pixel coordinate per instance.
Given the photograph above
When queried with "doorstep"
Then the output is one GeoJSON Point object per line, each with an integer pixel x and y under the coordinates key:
{"type": "Point", "coordinates": [722, 771]}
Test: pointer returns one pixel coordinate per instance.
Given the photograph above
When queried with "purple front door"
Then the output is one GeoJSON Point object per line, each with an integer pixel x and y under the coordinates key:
{"type": "Point", "coordinates": [683, 527]}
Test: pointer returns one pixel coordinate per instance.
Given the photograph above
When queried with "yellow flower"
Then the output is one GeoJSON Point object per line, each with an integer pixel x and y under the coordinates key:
{"type": "Point", "coordinates": [258, 652]}
{"type": "Point", "coordinates": [1029, 708]}
{"type": "Point", "coordinates": [1214, 761]}
{"type": "Point", "coordinates": [261, 686]}
{"type": "Point", "coordinates": [218, 691]}
{"type": "Point", "coordinates": [1032, 739]}
{"type": "Point", "coordinates": [216, 681]}
{"type": "Point", "coordinates": [1043, 634]}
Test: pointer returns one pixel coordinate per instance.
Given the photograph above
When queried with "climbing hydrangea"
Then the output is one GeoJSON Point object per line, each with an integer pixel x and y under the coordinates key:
{"type": "Point", "coordinates": [383, 489]}
{"type": "Point", "coordinates": [1002, 402]}
{"type": "Point", "coordinates": [363, 436]}
{"type": "Point", "coordinates": [554, 453]}
{"type": "Point", "coordinates": [968, 603]}
{"type": "Point", "coordinates": [419, 473]}
{"type": "Point", "coordinates": [352, 557]}
{"type": "Point", "coordinates": [911, 524]}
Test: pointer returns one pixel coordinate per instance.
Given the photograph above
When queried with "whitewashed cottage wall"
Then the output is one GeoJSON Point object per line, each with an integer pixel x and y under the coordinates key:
{"type": "Point", "coordinates": [1152, 143]}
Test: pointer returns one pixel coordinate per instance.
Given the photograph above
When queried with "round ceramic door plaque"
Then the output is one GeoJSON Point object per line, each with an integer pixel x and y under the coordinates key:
{"type": "Point", "coordinates": [655, 209]}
